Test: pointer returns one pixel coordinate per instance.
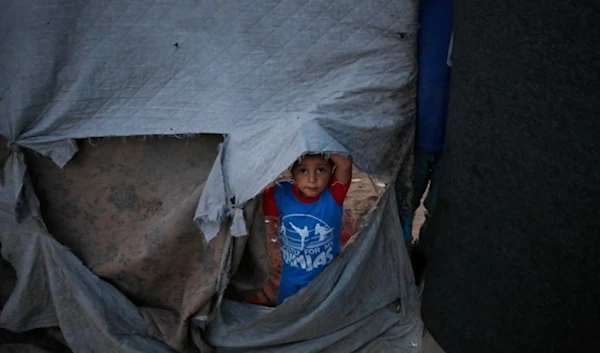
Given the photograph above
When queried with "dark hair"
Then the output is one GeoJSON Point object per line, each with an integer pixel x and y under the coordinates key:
{"type": "Point", "coordinates": [329, 161]}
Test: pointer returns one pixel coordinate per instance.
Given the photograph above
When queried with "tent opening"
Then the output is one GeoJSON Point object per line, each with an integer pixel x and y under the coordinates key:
{"type": "Point", "coordinates": [362, 197]}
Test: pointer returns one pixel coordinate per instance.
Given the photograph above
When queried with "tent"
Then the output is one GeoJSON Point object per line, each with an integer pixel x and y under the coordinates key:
{"type": "Point", "coordinates": [137, 136]}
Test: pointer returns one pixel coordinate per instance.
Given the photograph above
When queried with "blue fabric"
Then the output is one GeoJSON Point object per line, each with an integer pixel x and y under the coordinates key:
{"type": "Point", "coordinates": [287, 289]}
{"type": "Point", "coordinates": [309, 235]}
{"type": "Point", "coordinates": [433, 78]}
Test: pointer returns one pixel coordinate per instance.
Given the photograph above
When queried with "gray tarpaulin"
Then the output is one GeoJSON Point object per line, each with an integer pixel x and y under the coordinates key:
{"type": "Point", "coordinates": [106, 248]}
{"type": "Point", "coordinates": [361, 295]}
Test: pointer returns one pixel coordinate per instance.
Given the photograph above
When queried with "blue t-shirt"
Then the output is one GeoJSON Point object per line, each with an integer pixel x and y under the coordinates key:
{"type": "Point", "coordinates": [310, 236]}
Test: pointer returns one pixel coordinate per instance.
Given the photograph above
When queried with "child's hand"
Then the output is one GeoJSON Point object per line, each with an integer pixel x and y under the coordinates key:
{"type": "Point", "coordinates": [343, 167]}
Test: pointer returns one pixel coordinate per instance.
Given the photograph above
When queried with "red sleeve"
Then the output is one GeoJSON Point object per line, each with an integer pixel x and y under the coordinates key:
{"type": "Point", "coordinates": [339, 190]}
{"type": "Point", "coordinates": [269, 204]}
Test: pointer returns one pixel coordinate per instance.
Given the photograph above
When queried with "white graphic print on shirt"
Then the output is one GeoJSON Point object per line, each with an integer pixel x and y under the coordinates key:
{"type": "Point", "coordinates": [306, 241]}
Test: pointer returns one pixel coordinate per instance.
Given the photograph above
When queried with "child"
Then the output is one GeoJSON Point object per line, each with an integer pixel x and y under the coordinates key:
{"type": "Point", "coordinates": [310, 210]}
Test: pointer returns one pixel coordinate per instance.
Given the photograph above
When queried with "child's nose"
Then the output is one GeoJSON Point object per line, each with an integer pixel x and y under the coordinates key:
{"type": "Point", "coordinates": [312, 177]}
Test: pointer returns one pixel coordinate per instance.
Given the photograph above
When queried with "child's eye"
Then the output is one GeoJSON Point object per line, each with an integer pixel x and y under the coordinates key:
{"type": "Point", "coordinates": [321, 170]}
{"type": "Point", "coordinates": [302, 170]}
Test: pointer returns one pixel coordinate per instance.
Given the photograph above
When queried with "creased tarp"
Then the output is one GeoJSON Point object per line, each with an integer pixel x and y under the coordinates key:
{"type": "Point", "coordinates": [90, 312]}
{"type": "Point", "coordinates": [56, 289]}
{"type": "Point", "coordinates": [279, 78]}
{"type": "Point", "coordinates": [319, 320]}
{"type": "Point", "coordinates": [308, 75]}
{"type": "Point", "coordinates": [140, 237]}
{"type": "Point", "coordinates": [125, 208]}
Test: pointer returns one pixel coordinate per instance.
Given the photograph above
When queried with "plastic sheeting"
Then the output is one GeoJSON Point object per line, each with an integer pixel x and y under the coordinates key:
{"type": "Point", "coordinates": [346, 309]}
{"type": "Point", "coordinates": [278, 78]}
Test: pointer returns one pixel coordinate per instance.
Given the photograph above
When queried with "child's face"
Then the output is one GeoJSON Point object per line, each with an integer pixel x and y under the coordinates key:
{"type": "Point", "coordinates": [312, 175]}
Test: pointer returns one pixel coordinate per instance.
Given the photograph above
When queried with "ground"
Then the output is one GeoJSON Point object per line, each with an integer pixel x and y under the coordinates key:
{"type": "Point", "coordinates": [363, 195]}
